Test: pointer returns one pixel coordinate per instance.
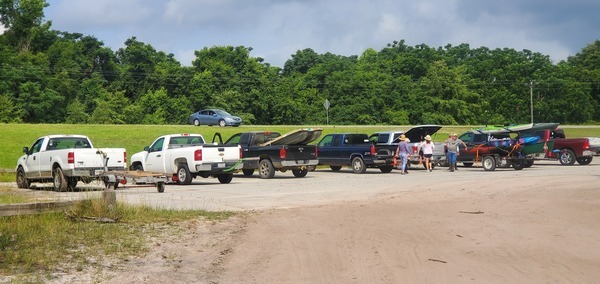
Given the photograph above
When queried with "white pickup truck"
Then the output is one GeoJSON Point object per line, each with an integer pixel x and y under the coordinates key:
{"type": "Point", "coordinates": [187, 156]}
{"type": "Point", "coordinates": [65, 160]}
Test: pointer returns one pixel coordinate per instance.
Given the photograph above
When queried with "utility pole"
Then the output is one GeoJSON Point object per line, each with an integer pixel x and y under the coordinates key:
{"type": "Point", "coordinates": [531, 98]}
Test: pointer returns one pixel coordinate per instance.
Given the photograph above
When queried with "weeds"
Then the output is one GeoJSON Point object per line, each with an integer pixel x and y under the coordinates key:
{"type": "Point", "coordinates": [72, 240]}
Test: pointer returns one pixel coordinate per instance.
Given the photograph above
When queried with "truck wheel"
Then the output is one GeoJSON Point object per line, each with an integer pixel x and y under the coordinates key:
{"type": "Point", "coordinates": [567, 157]}
{"type": "Point", "coordinates": [139, 167]}
{"type": "Point", "coordinates": [160, 186]}
{"type": "Point", "coordinates": [222, 123]}
{"type": "Point", "coordinates": [300, 173]}
{"type": "Point", "coordinates": [266, 169]}
{"type": "Point", "coordinates": [248, 172]}
{"type": "Point", "coordinates": [72, 183]}
{"type": "Point", "coordinates": [358, 165]}
{"type": "Point", "coordinates": [196, 122]}
{"type": "Point", "coordinates": [183, 175]}
{"type": "Point", "coordinates": [335, 168]}
{"type": "Point", "coordinates": [489, 163]}
{"type": "Point", "coordinates": [225, 178]}
{"type": "Point", "coordinates": [585, 160]}
{"type": "Point", "coordinates": [59, 180]}
{"type": "Point", "coordinates": [528, 163]}
{"type": "Point", "coordinates": [386, 169]}
{"type": "Point", "coordinates": [22, 181]}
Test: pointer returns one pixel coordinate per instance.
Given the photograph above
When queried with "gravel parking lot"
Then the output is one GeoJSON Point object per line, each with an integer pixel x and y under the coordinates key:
{"type": "Point", "coordinates": [537, 225]}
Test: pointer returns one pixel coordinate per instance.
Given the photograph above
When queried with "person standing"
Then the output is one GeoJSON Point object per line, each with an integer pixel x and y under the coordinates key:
{"type": "Point", "coordinates": [403, 153]}
{"type": "Point", "coordinates": [427, 147]}
{"type": "Point", "coordinates": [453, 151]}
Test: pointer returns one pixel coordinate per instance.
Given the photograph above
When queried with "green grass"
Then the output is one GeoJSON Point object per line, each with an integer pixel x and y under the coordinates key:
{"type": "Point", "coordinates": [32, 246]}
{"type": "Point", "coordinates": [9, 196]}
{"type": "Point", "coordinates": [134, 137]}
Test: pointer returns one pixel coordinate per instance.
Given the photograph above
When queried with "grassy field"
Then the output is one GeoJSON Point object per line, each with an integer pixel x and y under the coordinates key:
{"type": "Point", "coordinates": [34, 246]}
{"type": "Point", "coordinates": [135, 137]}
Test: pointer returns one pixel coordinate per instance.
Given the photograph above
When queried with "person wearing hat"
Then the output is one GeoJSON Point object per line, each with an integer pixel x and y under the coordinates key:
{"type": "Point", "coordinates": [403, 153]}
{"type": "Point", "coordinates": [427, 147]}
{"type": "Point", "coordinates": [452, 145]}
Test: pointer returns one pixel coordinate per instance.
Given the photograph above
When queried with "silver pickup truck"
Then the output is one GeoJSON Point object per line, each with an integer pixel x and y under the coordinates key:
{"type": "Point", "coordinates": [415, 136]}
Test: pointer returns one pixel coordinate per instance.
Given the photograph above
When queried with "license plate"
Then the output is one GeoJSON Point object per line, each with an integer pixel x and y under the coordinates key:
{"type": "Point", "coordinates": [221, 165]}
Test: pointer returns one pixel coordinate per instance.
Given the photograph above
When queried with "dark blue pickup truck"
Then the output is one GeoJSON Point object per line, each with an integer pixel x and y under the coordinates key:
{"type": "Point", "coordinates": [355, 150]}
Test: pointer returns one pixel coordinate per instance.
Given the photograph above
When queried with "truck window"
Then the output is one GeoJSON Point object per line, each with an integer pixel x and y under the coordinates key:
{"type": "Point", "coordinates": [234, 140]}
{"type": "Point", "coordinates": [479, 138]}
{"type": "Point", "coordinates": [356, 139]}
{"type": "Point", "coordinates": [327, 141]}
{"type": "Point", "coordinates": [186, 140]}
{"type": "Point", "coordinates": [157, 146]}
{"type": "Point", "coordinates": [37, 146]}
{"type": "Point", "coordinates": [465, 138]}
{"type": "Point", "coordinates": [67, 143]}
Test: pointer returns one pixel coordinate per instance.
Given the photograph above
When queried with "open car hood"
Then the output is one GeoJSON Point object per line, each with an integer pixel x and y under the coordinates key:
{"type": "Point", "coordinates": [297, 137]}
{"type": "Point", "coordinates": [418, 133]}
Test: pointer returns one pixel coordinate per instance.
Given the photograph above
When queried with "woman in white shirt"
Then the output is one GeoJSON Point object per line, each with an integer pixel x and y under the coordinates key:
{"type": "Point", "coordinates": [427, 147]}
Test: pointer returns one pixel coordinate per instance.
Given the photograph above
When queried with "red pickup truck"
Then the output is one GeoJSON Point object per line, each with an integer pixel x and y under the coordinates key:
{"type": "Point", "coordinates": [569, 150]}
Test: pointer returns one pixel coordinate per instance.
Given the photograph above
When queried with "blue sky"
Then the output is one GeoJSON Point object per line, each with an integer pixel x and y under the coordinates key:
{"type": "Point", "coordinates": [276, 29]}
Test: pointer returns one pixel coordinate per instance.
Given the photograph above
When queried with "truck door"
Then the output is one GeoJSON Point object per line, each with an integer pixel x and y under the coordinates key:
{"type": "Point", "coordinates": [154, 158]}
{"type": "Point", "coordinates": [32, 160]}
{"type": "Point", "coordinates": [329, 148]}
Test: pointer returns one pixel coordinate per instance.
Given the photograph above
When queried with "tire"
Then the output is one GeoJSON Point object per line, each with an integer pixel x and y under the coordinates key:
{"type": "Point", "coordinates": [519, 164]}
{"type": "Point", "coordinates": [139, 167]}
{"type": "Point", "coordinates": [72, 183]}
{"type": "Point", "coordinates": [585, 160]}
{"type": "Point", "coordinates": [22, 181]}
{"type": "Point", "coordinates": [222, 123]}
{"type": "Point", "coordinates": [266, 169]}
{"type": "Point", "coordinates": [58, 180]}
{"type": "Point", "coordinates": [567, 157]}
{"type": "Point", "coordinates": [358, 165]}
{"type": "Point", "coordinates": [335, 168]}
{"type": "Point", "coordinates": [386, 169]}
{"type": "Point", "coordinates": [248, 172]}
{"type": "Point", "coordinates": [225, 178]}
{"type": "Point", "coordinates": [160, 187]}
{"type": "Point", "coordinates": [196, 122]}
{"type": "Point", "coordinates": [467, 164]}
{"type": "Point", "coordinates": [183, 175]}
{"type": "Point", "coordinates": [489, 163]}
{"type": "Point", "coordinates": [528, 163]}
{"type": "Point", "coordinates": [300, 173]}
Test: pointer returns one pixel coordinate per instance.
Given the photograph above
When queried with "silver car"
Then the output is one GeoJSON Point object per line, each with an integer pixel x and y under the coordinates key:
{"type": "Point", "coordinates": [214, 117]}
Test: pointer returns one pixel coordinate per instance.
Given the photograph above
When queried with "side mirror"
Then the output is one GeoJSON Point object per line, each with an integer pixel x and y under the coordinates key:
{"type": "Point", "coordinates": [26, 150]}
{"type": "Point", "coordinates": [147, 149]}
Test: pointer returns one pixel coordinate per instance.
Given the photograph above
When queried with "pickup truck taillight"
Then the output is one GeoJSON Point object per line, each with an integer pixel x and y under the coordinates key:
{"type": "Point", "coordinates": [316, 151]}
{"type": "Point", "coordinates": [373, 150]}
{"type": "Point", "coordinates": [198, 155]}
{"type": "Point", "coordinates": [586, 144]}
{"type": "Point", "coordinates": [71, 158]}
{"type": "Point", "coordinates": [241, 152]}
{"type": "Point", "coordinates": [415, 149]}
{"type": "Point", "coordinates": [125, 157]}
{"type": "Point", "coordinates": [282, 153]}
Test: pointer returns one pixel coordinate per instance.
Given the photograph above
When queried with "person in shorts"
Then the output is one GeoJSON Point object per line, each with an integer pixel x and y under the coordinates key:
{"type": "Point", "coordinates": [427, 147]}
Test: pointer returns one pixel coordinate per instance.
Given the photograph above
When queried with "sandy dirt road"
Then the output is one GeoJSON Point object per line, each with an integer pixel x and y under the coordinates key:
{"type": "Point", "coordinates": [538, 225]}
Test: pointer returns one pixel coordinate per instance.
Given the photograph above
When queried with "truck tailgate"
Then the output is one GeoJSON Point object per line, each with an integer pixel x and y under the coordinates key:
{"type": "Point", "coordinates": [301, 152]}
{"type": "Point", "coordinates": [220, 153]}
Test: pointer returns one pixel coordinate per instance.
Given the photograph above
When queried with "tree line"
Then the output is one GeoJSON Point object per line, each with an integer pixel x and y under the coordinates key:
{"type": "Point", "coordinates": [50, 76]}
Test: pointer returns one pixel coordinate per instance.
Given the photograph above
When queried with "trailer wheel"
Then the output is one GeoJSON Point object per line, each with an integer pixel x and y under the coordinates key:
{"type": "Point", "coordinates": [72, 183]}
{"type": "Point", "coordinates": [358, 165]}
{"type": "Point", "coordinates": [160, 186]}
{"type": "Point", "coordinates": [519, 164]}
{"type": "Point", "coordinates": [22, 181]}
{"type": "Point", "coordinates": [300, 173]}
{"type": "Point", "coordinates": [266, 169]}
{"type": "Point", "coordinates": [58, 179]}
{"type": "Point", "coordinates": [585, 160]}
{"type": "Point", "coordinates": [225, 178]}
{"type": "Point", "coordinates": [467, 164]}
{"type": "Point", "coordinates": [335, 168]}
{"type": "Point", "coordinates": [489, 163]}
{"type": "Point", "coordinates": [567, 157]}
{"type": "Point", "coordinates": [248, 172]}
{"type": "Point", "coordinates": [183, 175]}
